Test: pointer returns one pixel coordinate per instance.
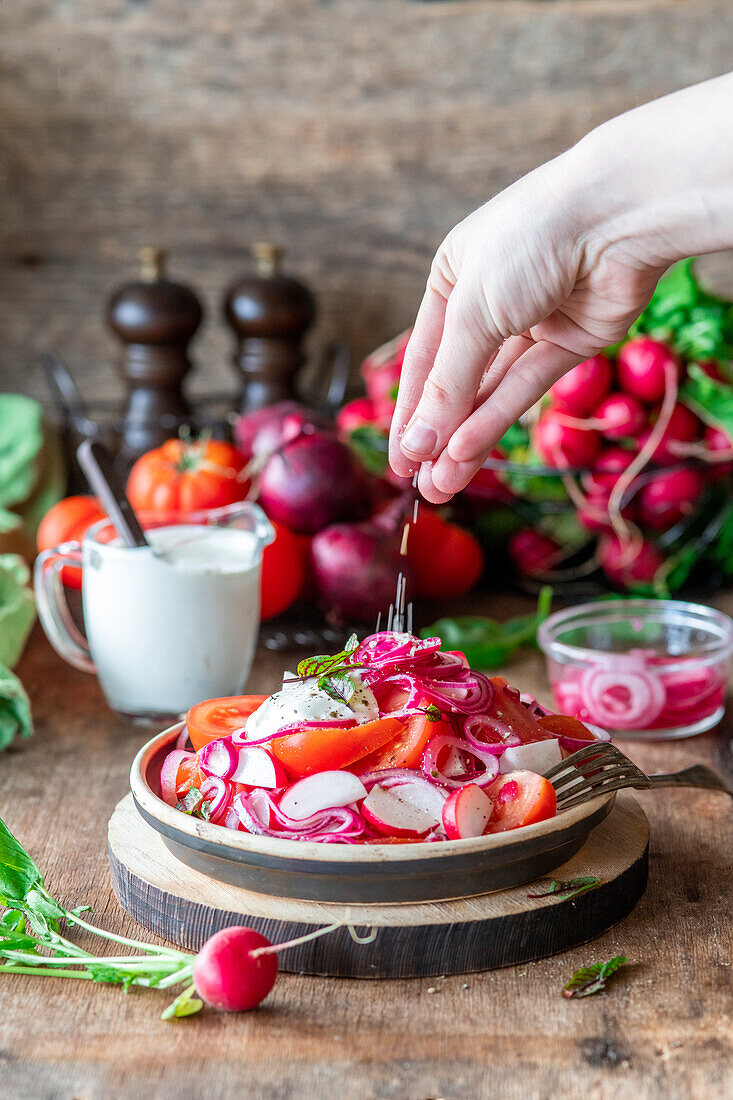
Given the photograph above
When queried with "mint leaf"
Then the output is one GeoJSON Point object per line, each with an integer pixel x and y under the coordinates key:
{"type": "Point", "coordinates": [489, 644]}
{"type": "Point", "coordinates": [338, 686]}
{"type": "Point", "coordinates": [569, 888]}
{"type": "Point", "coordinates": [193, 805]}
{"type": "Point", "coordinates": [592, 979]}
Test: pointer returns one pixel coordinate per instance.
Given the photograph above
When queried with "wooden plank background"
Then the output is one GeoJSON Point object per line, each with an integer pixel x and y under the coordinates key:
{"type": "Point", "coordinates": [355, 132]}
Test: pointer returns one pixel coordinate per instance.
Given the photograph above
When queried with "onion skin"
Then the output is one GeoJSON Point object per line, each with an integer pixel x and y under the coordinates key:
{"type": "Point", "coordinates": [310, 483]}
{"type": "Point", "coordinates": [355, 569]}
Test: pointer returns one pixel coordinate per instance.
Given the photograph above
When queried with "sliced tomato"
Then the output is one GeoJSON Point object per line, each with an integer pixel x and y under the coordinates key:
{"type": "Point", "coordinates": [564, 725]}
{"type": "Point", "coordinates": [215, 718]}
{"type": "Point", "coordinates": [188, 775]}
{"type": "Point", "coordinates": [329, 748]}
{"type": "Point", "coordinates": [520, 798]}
{"type": "Point", "coordinates": [406, 750]}
{"type": "Point", "coordinates": [508, 709]}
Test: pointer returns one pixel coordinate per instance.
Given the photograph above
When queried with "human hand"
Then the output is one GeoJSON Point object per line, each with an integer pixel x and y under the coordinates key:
{"type": "Point", "coordinates": [553, 270]}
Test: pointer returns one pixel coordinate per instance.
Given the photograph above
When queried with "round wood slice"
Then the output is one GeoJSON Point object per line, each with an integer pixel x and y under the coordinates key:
{"type": "Point", "coordinates": [413, 940]}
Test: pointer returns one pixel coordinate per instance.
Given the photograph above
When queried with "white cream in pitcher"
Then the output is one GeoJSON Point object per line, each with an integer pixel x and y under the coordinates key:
{"type": "Point", "coordinates": [175, 623]}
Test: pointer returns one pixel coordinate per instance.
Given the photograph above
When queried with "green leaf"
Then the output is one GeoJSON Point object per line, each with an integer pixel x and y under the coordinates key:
{"type": "Point", "coordinates": [186, 1004]}
{"type": "Point", "coordinates": [313, 666]}
{"type": "Point", "coordinates": [489, 644]}
{"type": "Point", "coordinates": [712, 401]}
{"type": "Point", "coordinates": [569, 888]}
{"type": "Point", "coordinates": [697, 324]}
{"type": "Point", "coordinates": [21, 438]}
{"type": "Point", "coordinates": [338, 686]}
{"type": "Point", "coordinates": [19, 875]}
{"type": "Point", "coordinates": [592, 979]}
{"type": "Point", "coordinates": [15, 708]}
{"type": "Point", "coordinates": [514, 437]}
{"type": "Point", "coordinates": [13, 920]}
{"type": "Point", "coordinates": [369, 443]}
{"type": "Point", "coordinates": [17, 608]}
{"type": "Point", "coordinates": [192, 805]}
{"type": "Point", "coordinates": [432, 713]}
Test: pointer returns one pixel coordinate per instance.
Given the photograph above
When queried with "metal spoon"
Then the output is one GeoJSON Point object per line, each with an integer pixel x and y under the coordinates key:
{"type": "Point", "coordinates": [96, 462]}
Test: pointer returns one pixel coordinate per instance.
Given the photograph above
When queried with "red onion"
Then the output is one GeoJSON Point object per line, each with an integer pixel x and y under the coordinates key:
{"type": "Point", "coordinates": [339, 821]}
{"type": "Point", "coordinates": [473, 726]}
{"type": "Point", "coordinates": [182, 739]}
{"type": "Point", "coordinates": [355, 570]}
{"type": "Point", "coordinates": [431, 762]}
{"type": "Point", "coordinates": [622, 694]}
{"type": "Point", "coordinates": [263, 431]}
{"type": "Point", "coordinates": [219, 758]}
{"type": "Point", "coordinates": [310, 483]}
{"type": "Point", "coordinates": [218, 793]}
{"type": "Point", "coordinates": [168, 774]}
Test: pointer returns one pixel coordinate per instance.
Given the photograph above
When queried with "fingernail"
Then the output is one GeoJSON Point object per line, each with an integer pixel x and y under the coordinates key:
{"type": "Point", "coordinates": [419, 438]}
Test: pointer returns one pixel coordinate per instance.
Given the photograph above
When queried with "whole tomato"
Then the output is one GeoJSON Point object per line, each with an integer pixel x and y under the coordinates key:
{"type": "Point", "coordinates": [183, 477]}
{"type": "Point", "coordinates": [283, 571]}
{"type": "Point", "coordinates": [446, 559]}
{"type": "Point", "coordinates": [68, 521]}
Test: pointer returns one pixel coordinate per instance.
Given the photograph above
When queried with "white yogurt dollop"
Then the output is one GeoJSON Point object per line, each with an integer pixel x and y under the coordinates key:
{"type": "Point", "coordinates": [304, 701]}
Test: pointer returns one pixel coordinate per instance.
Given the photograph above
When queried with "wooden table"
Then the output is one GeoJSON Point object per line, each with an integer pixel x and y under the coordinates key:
{"type": "Point", "coordinates": [662, 1030]}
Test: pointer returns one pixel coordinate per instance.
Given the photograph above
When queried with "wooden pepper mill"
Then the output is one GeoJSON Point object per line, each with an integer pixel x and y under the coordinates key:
{"type": "Point", "coordinates": [156, 320]}
{"type": "Point", "coordinates": [270, 314]}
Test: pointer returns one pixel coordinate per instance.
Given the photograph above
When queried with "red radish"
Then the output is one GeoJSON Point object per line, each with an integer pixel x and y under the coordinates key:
{"type": "Point", "coordinates": [355, 569]}
{"type": "Point", "coordinates": [219, 757]}
{"type": "Point", "coordinates": [218, 793]}
{"type": "Point", "coordinates": [683, 427]}
{"type": "Point", "coordinates": [310, 482]}
{"type": "Point", "coordinates": [322, 791]}
{"type": "Point", "coordinates": [535, 756]}
{"type": "Point", "coordinates": [257, 768]}
{"type": "Point", "coordinates": [229, 975]}
{"type": "Point", "coordinates": [561, 444]}
{"type": "Point", "coordinates": [265, 430]}
{"type": "Point", "coordinates": [487, 485]}
{"type": "Point", "coordinates": [641, 368]}
{"type": "Point", "coordinates": [627, 564]}
{"type": "Point", "coordinates": [532, 552]}
{"type": "Point", "coordinates": [381, 373]}
{"type": "Point", "coordinates": [466, 812]}
{"type": "Point", "coordinates": [593, 514]}
{"type": "Point", "coordinates": [621, 415]}
{"type": "Point", "coordinates": [403, 810]}
{"type": "Point", "coordinates": [583, 388]}
{"type": "Point", "coordinates": [716, 439]}
{"type": "Point", "coordinates": [356, 414]}
{"type": "Point", "coordinates": [668, 498]}
{"type": "Point", "coordinates": [607, 469]}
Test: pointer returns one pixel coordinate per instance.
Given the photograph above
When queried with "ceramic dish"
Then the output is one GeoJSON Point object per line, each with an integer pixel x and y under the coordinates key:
{"type": "Point", "coordinates": [355, 873]}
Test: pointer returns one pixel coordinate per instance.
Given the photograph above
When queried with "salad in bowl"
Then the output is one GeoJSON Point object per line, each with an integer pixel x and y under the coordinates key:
{"type": "Point", "coordinates": [392, 740]}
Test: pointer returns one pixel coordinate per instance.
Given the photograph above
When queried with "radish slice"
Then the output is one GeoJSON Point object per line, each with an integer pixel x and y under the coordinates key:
{"type": "Point", "coordinates": [218, 793]}
{"type": "Point", "coordinates": [322, 791]}
{"type": "Point", "coordinates": [537, 756]}
{"type": "Point", "coordinates": [169, 773]}
{"type": "Point", "coordinates": [466, 812]}
{"type": "Point", "coordinates": [403, 810]}
{"type": "Point", "coordinates": [219, 758]}
{"type": "Point", "coordinates": [256, 768]}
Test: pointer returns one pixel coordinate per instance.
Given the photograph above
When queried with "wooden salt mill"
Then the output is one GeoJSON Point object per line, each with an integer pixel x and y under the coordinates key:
{"type": "Point", "coordinates": [270, 314]}
{"type": "Point", "coordinates": [156, 320]}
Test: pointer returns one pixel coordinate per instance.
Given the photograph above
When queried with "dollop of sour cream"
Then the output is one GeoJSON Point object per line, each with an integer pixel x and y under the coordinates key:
{"type": "Point", "coordinates": [303, 701]}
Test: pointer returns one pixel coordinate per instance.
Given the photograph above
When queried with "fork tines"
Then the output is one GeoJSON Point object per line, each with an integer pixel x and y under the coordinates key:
{"type": "Point", "coordinates": [595, 769]}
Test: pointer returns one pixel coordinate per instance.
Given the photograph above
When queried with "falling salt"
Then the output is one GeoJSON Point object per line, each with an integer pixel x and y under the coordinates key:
{"type": "Point", "coordinates": [405, 536]}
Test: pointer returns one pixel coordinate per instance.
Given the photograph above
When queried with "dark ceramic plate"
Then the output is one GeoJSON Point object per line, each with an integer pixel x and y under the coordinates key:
{"type": "Point", "coordinates": [381, 873]}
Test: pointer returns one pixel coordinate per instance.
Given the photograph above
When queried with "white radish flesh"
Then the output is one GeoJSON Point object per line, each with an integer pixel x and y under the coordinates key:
{"type": "Point", "coordinates": [256, 768]}
{"type": "Point", "coordinates": [398, 812]}
{"type": "Point", "coordinates": [466, 813]}
{"type": "Point", "coordinates": [322, 791]}
{"type": "Point", "coordinates": [538, 756]}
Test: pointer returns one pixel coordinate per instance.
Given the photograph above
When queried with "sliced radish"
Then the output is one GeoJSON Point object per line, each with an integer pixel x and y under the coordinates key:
{"type": "Point", "coordinates": [400, 811]}
{"type": "Point", "coordinates": [536, 756]}
{"type": "Point", "coordinates": [256, 768]}
{"type": "Point", "coordinates": [322, 791]}
{"type": "Point", "coordinates": [219, 757]}
{"type": "Point", "coordinates": [466, 812]}
{"type": "Point", "coordinates": [218, 793]}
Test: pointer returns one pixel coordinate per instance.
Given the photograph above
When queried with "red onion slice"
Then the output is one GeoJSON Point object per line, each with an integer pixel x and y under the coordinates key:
{"type": "Point", "coordinates": [624, 696]}
{"type": "Point", "coordinates": [219, 758]}
{"type": "Point", "coordinates": [432, 769]}
{"type": "Point", "coordinates": [218, 793]}
{"type": "Point", "coordinates": [168, 774]}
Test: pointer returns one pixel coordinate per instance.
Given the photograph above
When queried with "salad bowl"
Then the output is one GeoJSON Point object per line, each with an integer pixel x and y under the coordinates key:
{"type": "Point", "coordinates": [358, 873]}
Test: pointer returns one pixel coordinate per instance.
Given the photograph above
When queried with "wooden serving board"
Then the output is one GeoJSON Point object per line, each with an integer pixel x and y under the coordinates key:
{"type": "Point", "coordinates": [414, 940]}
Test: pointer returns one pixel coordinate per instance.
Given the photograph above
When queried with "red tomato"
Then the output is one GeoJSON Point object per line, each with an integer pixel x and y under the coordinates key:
{"type": "Point", "coordinates": [331, 747]}
{"type": "Point", "coordinates": [182, 477]}
{"type": "Point", "coordinates": [564, 725]}
{"type": "Point", "coordinates": [283, 571]}
{"type": "Point", "coordinates": [188, 775]}
{"type": "Point", "coordinates": [215, 718]}
{"type": "Point", "coordinates": [447, 561]}
{"type": "Point", "coordinates": [520, 798]}
{"type": "Point", "coordinates": [68, 521]}
{"type": "Point", "coordinates": [507, 708]}
{"type": "Point", "coordinates": [406, 750]}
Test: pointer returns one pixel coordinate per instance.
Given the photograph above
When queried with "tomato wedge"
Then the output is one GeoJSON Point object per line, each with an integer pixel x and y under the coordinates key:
{"type": "Point", "coordinates": [564, 725]}
{"type": "Point", "coordinates": [406, 750]}
{"type": "Point", "coordinates": [520, 798]}
{"type": "Point", "coordinates": [508, 709]}
{"type": "Point", "coordinates": [188, 775]}
{"type": "Point", "coordinates": [329, 748]}
{"type": "Point", "coordinates": [215, 718]}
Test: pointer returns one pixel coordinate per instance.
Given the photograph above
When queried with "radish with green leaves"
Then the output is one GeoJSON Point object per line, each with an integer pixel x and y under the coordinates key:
{"type": "Point", "coordinates": [642, 368]}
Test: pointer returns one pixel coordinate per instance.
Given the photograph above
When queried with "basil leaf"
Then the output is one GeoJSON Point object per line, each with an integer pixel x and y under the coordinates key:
{"type": "Point", "coordinates": [17, 608]}
{"type": "Point", "coordinates": [19, 875]}
{"type": "Point", "coordinates": [489, 644]}
{"type": "Point", "coordinates": [592, 979]}
{"type": "Point", "coordinates": [15, 709]}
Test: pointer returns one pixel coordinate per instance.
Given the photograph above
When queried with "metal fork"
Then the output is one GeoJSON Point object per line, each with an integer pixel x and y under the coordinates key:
{"type": "Point", "coordinates": [598, 768]}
